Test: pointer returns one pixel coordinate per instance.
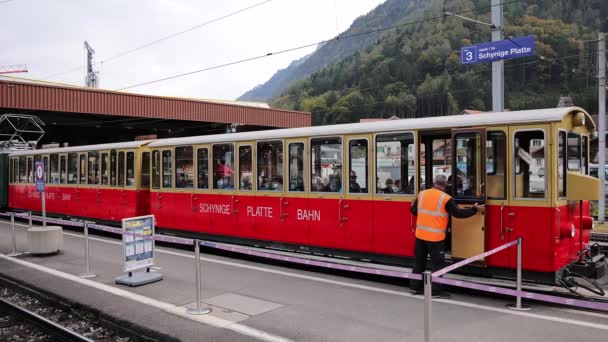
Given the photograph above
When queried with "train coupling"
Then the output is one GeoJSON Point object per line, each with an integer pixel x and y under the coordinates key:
{"type": "Point", "coordinates": [592, 263]}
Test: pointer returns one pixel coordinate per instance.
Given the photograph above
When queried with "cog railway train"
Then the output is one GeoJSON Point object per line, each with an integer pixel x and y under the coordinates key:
{"type": "Point", "coordinates": [344, 190]}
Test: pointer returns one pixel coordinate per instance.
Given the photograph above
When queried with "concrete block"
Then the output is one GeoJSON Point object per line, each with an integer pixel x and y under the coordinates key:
{"type": "Point", "coordinates": [47, 240]}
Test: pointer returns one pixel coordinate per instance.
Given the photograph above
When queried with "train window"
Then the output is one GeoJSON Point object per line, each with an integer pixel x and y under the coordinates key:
{"type": "Point", "coordinates": [529, 152]}
{"type": "Point", "coordinates": [63, 174]}
{"type": "Point", "coordinates": [466, 179]}
{"type": "Point", "coordinates": [14, 170]}
{"type": "Point", "coordinates": [113, 168]}
{"type": "Point", "coordinates": [395, 173]}
{"type": "Point", "coordinates": [72, 168]}
{"type": "Point", "coordinates": [326, 164]}
{"type": "Point", "coordinates": [11, 172]}
{"type": "Point", "coordinates": [45, 159]}
{"type": "Point", "coordinates": [223, 170]}
{"type": "Point", "coordinates": [358, 165]}
{"type": "Point", "coordinates": [574, 151]}
{"type": "Point", "coordinates": [585, 155]}
{"type": "Point", "coordinates": [54, 169]}
{"type": "Point", "coordinates": [83, 169]}
{"type": "Point", "coordinates": [120, 161]}
{"type": "Point", "coordinates": [30, 170]}
{"type": "Point", "coordinates": [93, 167]}
{"type": "Point", "coordinates": [270, 166]}
{"type": "Point", "coordinates": [22, 170]}
{"type": "Point", "coordinates": [296, 166]}
{"type": "Point", "coordinates": [245, 168]}
{"type": "Point", "coordinates": [184, 167]}
{"type": "Point", "coordinates": [167, 172]}
{"type": "Point", "coordinates": [561, 165]}
{"type": "Point", "coordinates": [496, 146]}
{"type": "Point", "coordinates": [105, 174]}
{"type": "Point", "coordinates": [155, 169]}
{"type": "Point", "coordinates": [145, 170]}
{"type": "Point", "coordinates": [421, 167]}
{"type": "Point", "coordinates": [130, 169]}
{"type": "Point", "coordinates": [202, 167]}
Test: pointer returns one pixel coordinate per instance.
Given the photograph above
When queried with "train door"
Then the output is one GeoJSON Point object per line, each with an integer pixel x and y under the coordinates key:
{"type": "Point", "coordinates": [497, 205]}
{"type": "Point", "coordinates": [294, 212]}
{"type": "Point", "coordinates": [104, 198]}
{"type": "Point", "coordinates": [395, 156]}
{"type": "Point", "coordinates": [224, 204]}
{"type": "Point", "coordinates": [166, 199]}
{"type": "Point", "coordinates": [326, 201]}
{"type": "Point", "coordinates": [357, 207]}
{"type": "Point", "coordinates": [200, 196]}
{"type": "Point", "coordinates": [156, 198]}
{"type": "Point", "coordinates": [65, 192]}
{"type": "Point", "coordinates": [267, 211]}
{"type": "Point", "coordinates": [182, 197]}
{"type": "Point", "coordinates": [530, 215]}
{"type": "Point", "coordinates": [468, 186]}
{"type": "Point", "coordinates": [245, 207]}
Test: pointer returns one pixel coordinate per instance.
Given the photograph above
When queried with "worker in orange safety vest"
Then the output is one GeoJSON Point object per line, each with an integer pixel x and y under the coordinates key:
{"type": "Point", "coordinates": [433, 208]}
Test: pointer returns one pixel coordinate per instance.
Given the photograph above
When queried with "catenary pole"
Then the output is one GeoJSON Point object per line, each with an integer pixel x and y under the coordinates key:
{"type": "Point", "coordinates": [601, 61]}
{"type": "Point", "coordinates": [498, 70]}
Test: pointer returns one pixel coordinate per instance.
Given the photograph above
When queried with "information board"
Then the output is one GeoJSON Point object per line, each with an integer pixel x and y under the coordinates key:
{"type": "Point", "coordinates": [39, 168]}
{"type": "Point", "coordinates": [138, 251]}
{"type": "Point", "coordinates": [495, 51]}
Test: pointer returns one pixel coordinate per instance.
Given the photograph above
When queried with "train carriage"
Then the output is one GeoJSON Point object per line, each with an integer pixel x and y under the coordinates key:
{"type": "Point", "coordinates": [346, 190]}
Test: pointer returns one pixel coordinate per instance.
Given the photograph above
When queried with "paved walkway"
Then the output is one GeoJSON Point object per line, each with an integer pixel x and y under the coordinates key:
{"type": "Point", "coordinates": [258, 302]}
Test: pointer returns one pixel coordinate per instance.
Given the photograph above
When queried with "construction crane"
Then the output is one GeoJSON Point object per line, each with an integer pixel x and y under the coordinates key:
{"type": "Point", "coordinates": [12, 69]}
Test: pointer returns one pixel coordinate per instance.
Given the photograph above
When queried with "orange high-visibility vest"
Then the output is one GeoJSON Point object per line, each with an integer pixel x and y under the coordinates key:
{"type": "Point", "coordinates": [432, 220]}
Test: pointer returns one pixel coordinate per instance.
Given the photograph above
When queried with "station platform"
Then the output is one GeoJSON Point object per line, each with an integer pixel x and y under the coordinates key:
{"type": "Point", "coordinates": [254, 301]}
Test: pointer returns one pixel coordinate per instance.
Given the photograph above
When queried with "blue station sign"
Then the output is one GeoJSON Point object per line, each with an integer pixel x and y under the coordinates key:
{"type": "Point", "coordinates": [495, 51]}
{"type": "Point", "coordinates": [39, 170]}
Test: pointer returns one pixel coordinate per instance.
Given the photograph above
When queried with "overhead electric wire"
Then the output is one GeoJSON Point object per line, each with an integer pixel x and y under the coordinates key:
{"type": "Point", "coordinates": [124, 53]}
{"type": "Point", "coordinates": [311, 45]}
{"type": "Point", "coordinates": [5, 1]}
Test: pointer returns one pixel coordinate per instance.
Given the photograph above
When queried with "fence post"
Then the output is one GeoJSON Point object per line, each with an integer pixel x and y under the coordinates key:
{"type": "Point", "coordinates": [14, 253]}
{"type": "Point", "coordinates": [87, 273]}
{"type": "Point", "coordinates": [518, 306]}
{"type": "Point", "coordinates": [428, 282]}
{"type": "Point", "coordinates": [30, 219]}
{"type": "Point", "coordinates": [197, 270]}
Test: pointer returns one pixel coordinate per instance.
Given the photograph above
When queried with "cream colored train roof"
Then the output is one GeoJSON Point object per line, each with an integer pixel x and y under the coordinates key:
{"type": "Point", "coordinates": [453, 121]}
{"type": "Point", "coordinates": [113, 146]}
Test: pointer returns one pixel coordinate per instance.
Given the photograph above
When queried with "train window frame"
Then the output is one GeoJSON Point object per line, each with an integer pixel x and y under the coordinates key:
{"type": "Point", "coordinates": [95, 172]}
{"type": "Point", "coordinates": [155, 170]}
{"type": "Point", "coordinates": [113, 168]}
{"type": "Point", "coordinates": [310, 164]}
{"type": "Point", "coordinates": [514, 173]}
{"type": "Point", "coordinates": [45, 162]}
{"type": "Point", "coordinates": [563, 194]}
{"type": "Point", "coordinates": [63, 168]}
{"type": "Point", "coordinates": [163, 172]}
{"type": "Point", "coordinates": [54, 156]}
{"type": "Point", "coordinates": [104, 169]}
{"type": "Point", "coordinates": [198, 169]}
{"type": "Point", "coordinates": [11, 164]}
{"type": "Point", "coordinates": [82, 171]}
{"type": "Point", "coordinates": [186, 184]}
{"type": "Point", "coordinates": [416, 173]}
{"type": "Point", "coordinates": [260, 167]}
{"type": "Point", "coordinates": [238, 169]}
{"type": "Point", "coordinates": [22, 176]}
{"type": "Point", "coordinates": [72, 155]}
{"type": "Point", "coordinates": [120, 166]}
{"type": "Point", "coordinates": [130, 182]}
{"type": "Point", "coordinates": [505, 157]}
{"type": "Point", "coordinates": [585, 154]}
{"type": "Point", "coordinates": [30, 169]}
{"type": "Point", "coordinates": [367, 165]}
{"type": "Point", "coordinates": [214, 181]}
{"type": "Point", "coordinates": [145, 171]}
{"type": "Point", "coordinates": [304, 168]}
{"type": "Point", "coordinates": [577, 136]}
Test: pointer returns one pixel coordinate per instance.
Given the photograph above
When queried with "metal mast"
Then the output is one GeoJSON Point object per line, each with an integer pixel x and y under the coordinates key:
{"type": "Point", "coordinates": [92, 77]}
{"type": "Point", "coordinates": [498, 71]}
{"type": "Point", "coordinates": [601, 61]}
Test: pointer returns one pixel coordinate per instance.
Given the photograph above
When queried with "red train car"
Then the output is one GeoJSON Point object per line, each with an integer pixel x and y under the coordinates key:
{"type": "Point", "coordinates": [346, 190]}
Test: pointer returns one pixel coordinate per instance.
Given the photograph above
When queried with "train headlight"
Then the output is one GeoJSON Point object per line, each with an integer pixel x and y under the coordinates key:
{"type": "Point", "coordinates": [572, 230]}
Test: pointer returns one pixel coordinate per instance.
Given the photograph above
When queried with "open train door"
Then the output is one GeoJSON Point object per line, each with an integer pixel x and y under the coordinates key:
{"type": "Point", "coordinates": [467, 185]}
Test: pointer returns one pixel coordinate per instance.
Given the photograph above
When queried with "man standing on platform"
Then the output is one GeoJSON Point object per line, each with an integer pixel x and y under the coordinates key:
{"type": "Point", "coordinates": [433, 208]}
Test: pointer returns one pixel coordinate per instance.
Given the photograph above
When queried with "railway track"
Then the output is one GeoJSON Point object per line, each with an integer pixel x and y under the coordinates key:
{"type": "Point", "coordinates": [16, 315]}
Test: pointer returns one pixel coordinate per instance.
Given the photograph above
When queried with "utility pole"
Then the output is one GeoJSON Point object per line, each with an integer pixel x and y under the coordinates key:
{"type": "Point", "coordinates": [498, 70]}
{"type": "Point", "coordinates": [601, 77]}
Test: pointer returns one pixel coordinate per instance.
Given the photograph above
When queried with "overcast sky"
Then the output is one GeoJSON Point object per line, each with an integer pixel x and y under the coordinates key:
{"type": "Point", "coordinates": [48, 36]}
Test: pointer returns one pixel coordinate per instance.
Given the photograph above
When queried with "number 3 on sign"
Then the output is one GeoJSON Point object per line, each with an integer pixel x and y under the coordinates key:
{"type": "Point", "coordinates": [468, 55]}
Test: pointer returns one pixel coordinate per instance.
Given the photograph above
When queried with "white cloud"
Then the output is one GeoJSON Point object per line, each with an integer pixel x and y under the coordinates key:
{"type": "Point", "coordinates": [49, 36]}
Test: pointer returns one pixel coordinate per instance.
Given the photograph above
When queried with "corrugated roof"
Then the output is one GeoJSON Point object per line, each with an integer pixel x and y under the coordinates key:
{"type": "Point", "coordinates": [72, 99]}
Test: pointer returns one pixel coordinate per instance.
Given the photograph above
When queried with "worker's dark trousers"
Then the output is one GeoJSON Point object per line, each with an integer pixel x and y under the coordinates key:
{"type": "Point", "coordinates": [421, 250]}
